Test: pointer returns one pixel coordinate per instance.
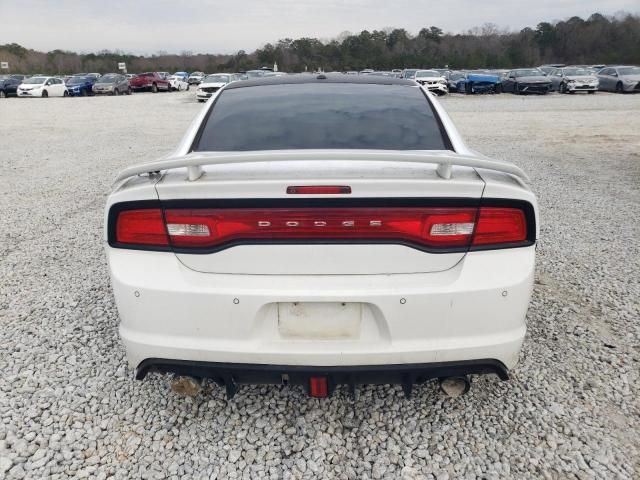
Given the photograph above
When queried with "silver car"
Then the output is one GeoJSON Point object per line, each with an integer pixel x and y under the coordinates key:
{"type": "Point", "coordinates": [620, 79]}
{"type": "Point", "coordinates": [573, 79]}
{"type": "Point", "coordinates": [112, 84]}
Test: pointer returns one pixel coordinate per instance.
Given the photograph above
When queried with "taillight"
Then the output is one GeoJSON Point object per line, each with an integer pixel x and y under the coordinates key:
{"type": "Point", "coordinates": [424, 227]}
{"type": "Point", "coordinates": [499, 226]}
{"type": "Point", "coordinates": [141, 227]}
{"type": "Point", "coordinates": [428, 228]}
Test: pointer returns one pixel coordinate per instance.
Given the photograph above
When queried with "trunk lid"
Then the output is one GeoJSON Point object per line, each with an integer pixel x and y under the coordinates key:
{"type": "Point", "coordinates": [262, 188]}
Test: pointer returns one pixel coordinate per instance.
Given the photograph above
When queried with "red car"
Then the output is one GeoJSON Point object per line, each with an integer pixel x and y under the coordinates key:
{"type": "Point", "coordinates": [152, 81]}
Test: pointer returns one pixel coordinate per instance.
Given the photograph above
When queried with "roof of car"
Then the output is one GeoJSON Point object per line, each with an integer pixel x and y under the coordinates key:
{"type": "Point", "coordinates": [320, 78]}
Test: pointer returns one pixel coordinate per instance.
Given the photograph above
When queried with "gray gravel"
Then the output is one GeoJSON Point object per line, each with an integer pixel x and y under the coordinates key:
{"type": "Point", "coordinates": [69, 406]}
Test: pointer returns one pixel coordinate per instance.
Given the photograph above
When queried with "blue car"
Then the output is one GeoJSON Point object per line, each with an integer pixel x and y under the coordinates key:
{"type": "Point", "coordinates": [80, 86]}
{"type": "Point", "coordinates": [479, 82]}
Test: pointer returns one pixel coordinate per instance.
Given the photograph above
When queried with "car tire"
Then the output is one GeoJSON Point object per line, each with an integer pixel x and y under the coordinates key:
{"type": "Point", "coordinates": [83, 92]}
{"type": "Point", "coordinates": [65, 94]}
{"type": "Point", "coordinates": [497, 88]}
{"type": "Point", "coordinates": [562, 88]}
{"type": "Point", "coordinates": [129, 91]}
{"type": "Point", "coordinates": [619, 88]}
{"type": "Point", "coordinates": [3, 94]}
{"type": "Point", "coordinates": [187, 89]}
{"type": "Point", "coordinates": [516, 89]}
{"type": "Point", "coordinates": [45, 94]}
{"type": "Point", "coordinates": [116, 92]}
{"type": "Point", "coordinates": [154, 88]}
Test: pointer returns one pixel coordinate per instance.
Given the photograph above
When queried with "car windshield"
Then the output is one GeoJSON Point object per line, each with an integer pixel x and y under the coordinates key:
{"type": "Point", "coordinates": [629, 71]}
{"type": "Point", "coordinates": [322, 116]}
{"type": "Point", "coordinates": [427, 73]}
{"type": "Point", "coordinates": [456, 75]}
{"type": "Point", "coordinates": [577, 71]}
{"type": "Point", "coordinates": [108, 79]}
{"type": "Point", "coordinates": [76, 80]}
{"type": "Point", "coordinates": [529, 72]}
{"type": "Point", "coordinates": [217, 78]}
{"type": "Point", "coordinates": [35, 80]}
{"type": "Point", "coordinates": [254, 73]}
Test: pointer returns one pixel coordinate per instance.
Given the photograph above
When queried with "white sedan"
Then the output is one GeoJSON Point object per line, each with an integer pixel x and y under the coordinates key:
{"type": "Point", "coordinates": [42, 87]}
{"type": "Point", "coordinates": [320, 230]}
{"type": "Point", "coordinates": [212, 83]}
{"type": "Point", "coordinates": [178, 83]}
{"type": "Point", "coordinates": [432, 81]}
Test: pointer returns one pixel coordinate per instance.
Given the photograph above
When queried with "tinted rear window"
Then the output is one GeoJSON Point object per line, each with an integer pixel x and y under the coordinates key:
{"type": "Point", "coordinates": [329, 116]}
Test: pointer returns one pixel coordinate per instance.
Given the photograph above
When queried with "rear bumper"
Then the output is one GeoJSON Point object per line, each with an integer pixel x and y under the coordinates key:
{"type": "Point", "coordinates": [231, 375]}
{"type": "Point", "coordinates": [475, 310]}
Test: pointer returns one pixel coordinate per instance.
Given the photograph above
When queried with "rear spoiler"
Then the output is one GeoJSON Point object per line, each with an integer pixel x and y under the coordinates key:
{"type": "Point", "coordinates": [444, 161]}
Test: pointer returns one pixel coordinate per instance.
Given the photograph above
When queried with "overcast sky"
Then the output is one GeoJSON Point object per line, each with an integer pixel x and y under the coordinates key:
{"type": "Point", "coordinates": [214, 26]}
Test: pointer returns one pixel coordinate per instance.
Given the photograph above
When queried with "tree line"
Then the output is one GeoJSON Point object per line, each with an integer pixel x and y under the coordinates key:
{"type": "Point", "coordinates": [599, 39]}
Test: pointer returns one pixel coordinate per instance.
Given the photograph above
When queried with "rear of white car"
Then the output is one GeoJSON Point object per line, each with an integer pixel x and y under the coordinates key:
{"type": "Point", "coordinates": [257, 257]}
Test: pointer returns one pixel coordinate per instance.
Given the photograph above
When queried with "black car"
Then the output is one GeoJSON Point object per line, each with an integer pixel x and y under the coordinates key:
{"type": "Point", "coordinates": [9, 84]}
{"type": "Point", "coordinates": [526, 80]}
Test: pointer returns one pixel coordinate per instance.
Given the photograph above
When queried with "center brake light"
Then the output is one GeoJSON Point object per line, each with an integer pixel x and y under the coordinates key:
{"type": "Point", "coordinates": [430, 228]}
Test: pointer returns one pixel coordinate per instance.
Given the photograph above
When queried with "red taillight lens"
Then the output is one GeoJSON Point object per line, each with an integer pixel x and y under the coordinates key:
{"type": "Point", "coordinates": [429, 227]}
{"type": "Point", "coordinates": [421, 227]}
{"type": "Point", "coordinates": [141, 227]}
{"type": "Point", "coordinates": [500, 225]}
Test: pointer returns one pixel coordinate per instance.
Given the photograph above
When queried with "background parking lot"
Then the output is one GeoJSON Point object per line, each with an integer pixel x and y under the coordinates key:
{"type": "Point", "coordinates": [69, 405]}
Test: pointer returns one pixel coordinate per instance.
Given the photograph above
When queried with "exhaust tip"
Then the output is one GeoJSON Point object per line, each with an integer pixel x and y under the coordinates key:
{"type": "Point", "coordinates": [185, 386]}
{"type": "Point", "coordinates": [454, 387]}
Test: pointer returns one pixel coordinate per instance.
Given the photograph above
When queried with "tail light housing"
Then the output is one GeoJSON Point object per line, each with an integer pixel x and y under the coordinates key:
{"type": "Point", "coordinates": [433, 229]}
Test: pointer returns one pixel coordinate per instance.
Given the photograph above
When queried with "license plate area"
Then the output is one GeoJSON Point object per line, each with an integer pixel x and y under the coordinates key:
{"type": "Point", "coordinates": [319, 320]}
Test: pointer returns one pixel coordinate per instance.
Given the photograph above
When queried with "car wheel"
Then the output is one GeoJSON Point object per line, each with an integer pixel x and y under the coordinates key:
{"type": "Point", "coordinates": [188, 87]}
{"type": "Point", "coordinates": [619, 88]}
{"type": "Point", "coordinates": [128, 91]}
{"type": "Point", "coordinates": [116, 91]}
{"type": "Point", "coordinates": [498, 88]}
{"type": "Point", "coordinates": [45, 94]}
{"type": "Point", "coordinates": [154, 88]}
{"type": "Point", "coordinates": [562, 88]}
{"type": "Point", "coordinates": [3, 94]}
{"type": "Point", "coordinates": [65, 94]}
{"type": "Point", "coordinates": [83, 92]}
{"type": "Point", "coordinates": [516, 89]}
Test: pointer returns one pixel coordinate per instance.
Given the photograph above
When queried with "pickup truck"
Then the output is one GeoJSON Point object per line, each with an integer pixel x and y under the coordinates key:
{"type": "Point", "coordinates": [150, 81]}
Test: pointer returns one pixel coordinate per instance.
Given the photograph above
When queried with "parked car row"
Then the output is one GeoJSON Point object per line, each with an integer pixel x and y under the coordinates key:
{"type": "Point", "coordinates": [541, 80]}
{"type": "Point", "coordinates": [520, 81]}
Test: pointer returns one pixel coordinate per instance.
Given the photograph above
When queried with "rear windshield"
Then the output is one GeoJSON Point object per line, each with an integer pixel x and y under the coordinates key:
{"type": "Point", "coordinates": [322, 116]}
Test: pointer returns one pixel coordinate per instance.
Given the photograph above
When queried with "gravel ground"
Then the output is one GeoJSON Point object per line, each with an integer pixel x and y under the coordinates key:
{"type": "Point", "coordinates": [69, 406]}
